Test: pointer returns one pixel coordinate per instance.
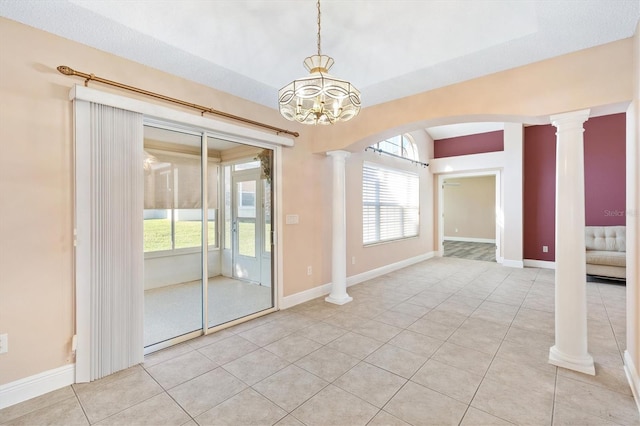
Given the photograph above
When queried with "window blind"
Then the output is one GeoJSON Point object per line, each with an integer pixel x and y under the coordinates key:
{"type": "Point", "coordinates": [390, 204]}
{"type": "Point", "coordinates": [109, 258]}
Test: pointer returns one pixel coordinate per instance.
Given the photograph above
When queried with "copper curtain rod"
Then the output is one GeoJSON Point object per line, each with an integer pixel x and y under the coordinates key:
{"type": "Point", "coordinates": [91, 77]}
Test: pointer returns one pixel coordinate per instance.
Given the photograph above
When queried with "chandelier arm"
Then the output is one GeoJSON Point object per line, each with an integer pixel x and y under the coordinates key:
{"type": "Point", "coordinates": [303, 119]}
{"type": "Point", "coordinates": [330, 117]}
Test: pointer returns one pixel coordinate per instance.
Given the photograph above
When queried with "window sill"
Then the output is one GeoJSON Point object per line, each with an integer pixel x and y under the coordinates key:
{"type": "Point", "coordinates": [397, 240]}
{"type": "Point", "coordinates": [176, 252]}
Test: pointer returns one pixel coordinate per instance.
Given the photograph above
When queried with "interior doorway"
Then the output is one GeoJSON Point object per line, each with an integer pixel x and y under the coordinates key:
{"type": "Point", "coordinates": [470, 216]}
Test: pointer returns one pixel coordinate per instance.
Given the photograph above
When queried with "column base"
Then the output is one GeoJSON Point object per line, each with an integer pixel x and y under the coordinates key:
{"type": "Point", "coordinates": [338, 300]}
{"type": "Point", "coordinates": [581, 364]}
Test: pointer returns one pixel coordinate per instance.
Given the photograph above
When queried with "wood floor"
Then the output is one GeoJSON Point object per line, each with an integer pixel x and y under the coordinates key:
{"type": "Point", "coordinates": [470, 250]}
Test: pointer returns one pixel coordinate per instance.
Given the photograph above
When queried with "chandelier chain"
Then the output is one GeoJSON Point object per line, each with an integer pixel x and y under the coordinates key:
{"type": "Point", "coordinates": [318, 5]}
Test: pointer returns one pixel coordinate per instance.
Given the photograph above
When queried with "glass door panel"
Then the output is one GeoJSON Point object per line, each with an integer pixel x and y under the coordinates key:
{"type": "Point", "coordinates": [246, 264]}
{"type": "Point", "coordinates": [173, 224]}
{"type": "Point", "coordinates": [268, 234]}
{"type": "Point", "coordinates": [244, 285]}
{"type": "Point", "coordinates": [268, 240]}
{"type": "Point", "coordinates": [246, 229]}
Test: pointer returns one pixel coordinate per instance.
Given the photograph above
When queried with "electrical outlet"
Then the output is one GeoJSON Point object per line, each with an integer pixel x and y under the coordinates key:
{"type": "Point", "coordinates": [353, 260]}
{"type": "Point", "coordinates": [309, 270]}
{"type": "Point", "coordinates": [545, 249]}
{"type": "Point", "coordinates": [4, 343]}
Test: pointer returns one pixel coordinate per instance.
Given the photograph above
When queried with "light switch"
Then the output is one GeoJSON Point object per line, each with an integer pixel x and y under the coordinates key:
{"type": "Point", "coordinates": [292, 219]}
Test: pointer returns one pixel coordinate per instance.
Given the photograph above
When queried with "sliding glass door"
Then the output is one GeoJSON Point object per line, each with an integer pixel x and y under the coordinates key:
{"type": "Point", "coordinates": [172, 234]}
{"type": "Point", "coordinates": [230, 251]}
{"type": "Point", "coordinates": [245, 286]}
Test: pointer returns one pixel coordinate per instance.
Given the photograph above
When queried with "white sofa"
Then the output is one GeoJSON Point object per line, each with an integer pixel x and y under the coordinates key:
{"type": "Point", "coordinates": [606, 251]}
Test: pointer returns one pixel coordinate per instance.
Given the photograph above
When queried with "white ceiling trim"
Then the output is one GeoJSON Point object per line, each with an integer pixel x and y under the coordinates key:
{"type": "Point", "coordinates": [462, 129]}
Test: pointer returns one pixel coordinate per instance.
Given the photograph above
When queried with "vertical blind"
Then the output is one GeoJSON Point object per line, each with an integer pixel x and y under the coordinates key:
{"type": "Point", "coordinates": [114, 155]}
{"type": "Point", "coordinates": [390, 204]}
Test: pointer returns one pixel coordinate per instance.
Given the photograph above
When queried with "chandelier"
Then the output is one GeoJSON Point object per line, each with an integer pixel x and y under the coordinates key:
{"type": "Point", "coordinates": [319, 98]}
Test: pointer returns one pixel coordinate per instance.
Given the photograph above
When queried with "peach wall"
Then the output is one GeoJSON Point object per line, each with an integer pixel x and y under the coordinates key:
{"type": "Point", "coordinates": [306, 190]}
{"type": "Point", "coordinates": [36, 297]}
{"type": "Point", "coordinates": [470, 208]}
{"type": "Point", "coordinates": [583, 79]}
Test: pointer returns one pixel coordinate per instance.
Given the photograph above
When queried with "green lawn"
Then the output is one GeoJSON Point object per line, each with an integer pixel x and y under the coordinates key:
{"type": "Point", "coordinates": [157, 235]}
{"type": "Point", "coordinates": [247, 239]}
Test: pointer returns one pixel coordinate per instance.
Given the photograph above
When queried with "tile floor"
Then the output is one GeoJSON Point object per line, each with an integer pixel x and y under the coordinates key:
{"type": "Point", "coordinates": [446, 341]}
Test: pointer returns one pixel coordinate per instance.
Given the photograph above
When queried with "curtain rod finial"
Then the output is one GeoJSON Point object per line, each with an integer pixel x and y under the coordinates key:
{"type": "Point", "coordinates": [66, 70]}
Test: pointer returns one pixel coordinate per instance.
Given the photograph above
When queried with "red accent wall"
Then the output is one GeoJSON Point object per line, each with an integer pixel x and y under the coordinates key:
{"type": "Point", "coordinates": [471, 144]}
{"type": "Point", "coordinates": [604, 152]}
{"type": "Point", "coordinates": [539, 192]}
{"type": "Point", "coordinates": [605, 170]}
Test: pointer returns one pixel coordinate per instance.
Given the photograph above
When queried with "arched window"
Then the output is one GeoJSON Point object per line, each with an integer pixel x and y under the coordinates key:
{"type": "Point", "coordinates": [390, 197]}
{"type": "Point", "coordinates": [400, 145]}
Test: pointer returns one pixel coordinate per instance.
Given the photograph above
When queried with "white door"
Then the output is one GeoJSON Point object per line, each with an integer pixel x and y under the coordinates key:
{"type": "Point", "coordinates": [247, 225]}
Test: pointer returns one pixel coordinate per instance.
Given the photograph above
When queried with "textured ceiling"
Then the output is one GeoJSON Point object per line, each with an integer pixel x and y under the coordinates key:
{"type": "Point", "coordinates": [387, 48]}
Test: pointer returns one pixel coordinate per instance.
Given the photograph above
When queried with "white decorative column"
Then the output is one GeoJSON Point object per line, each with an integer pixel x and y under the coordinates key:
{"type": "Point", "coordinates": [339, 294]}
{"type": "Point", "coordinates": [570, 349]}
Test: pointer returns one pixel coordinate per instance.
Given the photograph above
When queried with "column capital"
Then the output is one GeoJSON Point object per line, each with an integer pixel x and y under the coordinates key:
{"type": "Point", "coordinates": [570, 120]}
{"type": "Point", "coordinates": [338, 154]}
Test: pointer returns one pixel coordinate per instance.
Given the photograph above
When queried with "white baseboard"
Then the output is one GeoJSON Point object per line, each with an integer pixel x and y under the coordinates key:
{"type": "Point", "coordinates": [513, 263]}
{"type": "Point", "coordinates": [544, 264]}
{"type": "Point", "coordinates": [305, 296]}
{"type": "Point", "coordinates": [374, 273]}
{"type": "Point", "coordinates": [632, 376]}
{"type": "Point", "coordinates": [471, 240]}
{"type": "Point", "coordinates": [36, 385]}
{"type": "Point", "coordinates": [324, 289]}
